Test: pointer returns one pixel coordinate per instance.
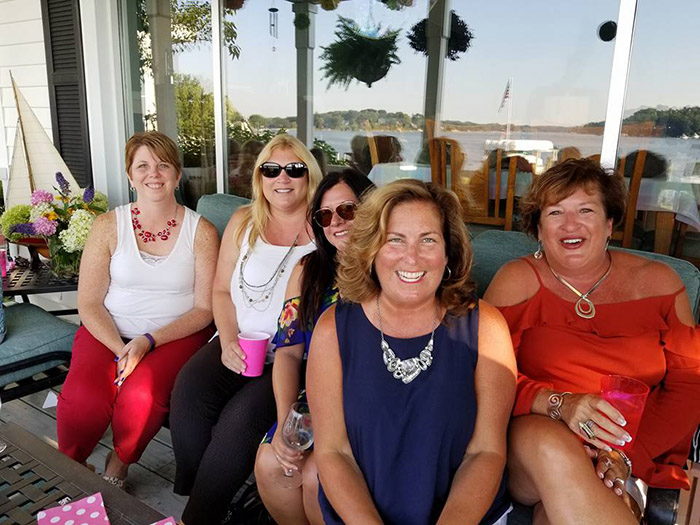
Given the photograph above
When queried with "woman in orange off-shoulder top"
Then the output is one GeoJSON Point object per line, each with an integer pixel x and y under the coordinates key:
{"type": "Point", "coordinates": [577, 312]}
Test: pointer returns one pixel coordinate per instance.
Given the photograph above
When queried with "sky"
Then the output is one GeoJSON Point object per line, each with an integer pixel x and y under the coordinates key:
{"type": "Point", "coordinates": [560, 68]}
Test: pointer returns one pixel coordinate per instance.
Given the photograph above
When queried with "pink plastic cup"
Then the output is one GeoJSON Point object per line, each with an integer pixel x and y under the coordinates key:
{"type": "Point", "coordinates": [254, 345]}
{"type": "Point", "coordinates": [629, 396]}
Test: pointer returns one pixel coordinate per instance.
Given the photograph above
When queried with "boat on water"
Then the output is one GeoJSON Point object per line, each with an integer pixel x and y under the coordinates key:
{"type": "Point", "coordinates": [540, 154]}
{"type": "Point", "coordinates": [35, 160]}
{"type": "Point", "coordinates": [684, 137]}
{"type": "Point", "coordinates": [696, 136]}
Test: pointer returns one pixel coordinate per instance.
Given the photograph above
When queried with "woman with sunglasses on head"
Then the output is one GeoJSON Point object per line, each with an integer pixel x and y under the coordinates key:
{"type": "Point", "coordinates": [311, 290]}
{"type": "Point", "coordinates": [217, 415]}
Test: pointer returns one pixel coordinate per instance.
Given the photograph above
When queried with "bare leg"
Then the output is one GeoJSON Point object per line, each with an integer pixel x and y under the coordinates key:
{"type": "Point", "coordinates": [285, 505]}
{"type": "Point", "coordinates": [547, 464]}
{"type": "Point", "coordinates": [115, 467]}
{"type": "Point", "coordinates": [310, 486]}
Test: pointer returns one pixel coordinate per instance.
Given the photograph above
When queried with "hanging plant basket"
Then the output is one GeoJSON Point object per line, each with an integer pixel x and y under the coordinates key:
{"type": "Point", "coordinates": [302, 21]}
{"type": "Point", "coordinates": [356, 56]}
{"type": "Point", "coordinates": [397, 5]}
{"type": "Point", "coordinates": [458, 43]}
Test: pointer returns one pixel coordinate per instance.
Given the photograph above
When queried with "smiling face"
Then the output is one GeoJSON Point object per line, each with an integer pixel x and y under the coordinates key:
{"type": "Point", "coordinates": [284, 192]}
{"type": "Point", "coordinates": [338, 231]}
{"type": "Point", "coordinates": [411, 263]}
{"type": "Point", "coordinates": [574, 231]}
{"type": "Point", "coordinates": [151, 177]}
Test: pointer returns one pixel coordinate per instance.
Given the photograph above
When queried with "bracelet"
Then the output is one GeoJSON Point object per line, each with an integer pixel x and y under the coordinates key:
{"type": "Point", "coordinates": [626, 459]}
{"type": "Point", "coordinates": [150, 340]}
{"type": "Point", "coordinates": [554, 404]}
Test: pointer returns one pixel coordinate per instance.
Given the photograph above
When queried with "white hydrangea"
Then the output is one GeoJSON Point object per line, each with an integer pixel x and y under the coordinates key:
{"type": "Point", "coordinates": [39, 210]}
{"type": "Point", "coordinates": [74, 237]}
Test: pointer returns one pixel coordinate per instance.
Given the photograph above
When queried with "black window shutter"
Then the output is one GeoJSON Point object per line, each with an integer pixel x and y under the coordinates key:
{"type": "Point", "coordinates": [64, 64]}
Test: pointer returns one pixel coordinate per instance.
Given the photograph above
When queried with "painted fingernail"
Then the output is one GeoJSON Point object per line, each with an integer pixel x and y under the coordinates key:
{"type": "Point", "coordinates": [627, 438]}
{"type": "Point", "coordinates": [116, 359]}
{"type": "Point", "coordinates": [622, 421]}
{"type": "Point", "coordinates": [608, 483]}
{"type": "Point", "coordinates": [609, 449]}
{"type": "Point", "coordinates": [121, 372]}
{"type": "Point", "coordinates": [618, 492]}
{"type": "Point", "coordinates": [620, 442]}
{"type": "Point", "coordinates": [600, 475]}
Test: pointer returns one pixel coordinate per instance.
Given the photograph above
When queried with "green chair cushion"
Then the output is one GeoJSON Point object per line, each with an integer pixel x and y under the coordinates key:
{"type": "Point", "coordinates": [219, 207]}
{"type": "Point", "coordinates": [31, 333]}
{"type": "Point", "coordinates": [494, 248]}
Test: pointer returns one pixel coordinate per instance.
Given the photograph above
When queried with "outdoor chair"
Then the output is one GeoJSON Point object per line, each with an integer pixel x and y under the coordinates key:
{"type": "Point", "coordinates": [35, 351]}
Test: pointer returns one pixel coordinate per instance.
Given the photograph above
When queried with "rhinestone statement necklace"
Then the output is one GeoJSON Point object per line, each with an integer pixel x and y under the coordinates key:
{"type": "Point", "coordinates": [406, 370]}
{"type": "Point", "coordinates": [258, 296]}
{"type": "Point", "coordinates": [584, 306]}
{"type": "Point", "coordinates": [147, 236]}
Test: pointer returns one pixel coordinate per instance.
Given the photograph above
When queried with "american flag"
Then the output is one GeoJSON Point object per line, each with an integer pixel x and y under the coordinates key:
{"type": "Point", "coordinates": [506, 96]}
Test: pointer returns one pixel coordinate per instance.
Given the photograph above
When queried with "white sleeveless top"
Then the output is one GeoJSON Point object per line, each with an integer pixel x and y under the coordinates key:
{"type": "Point", "coordinates": [263, 263]}
{"type": "Point", "coordinates": [143, 297]}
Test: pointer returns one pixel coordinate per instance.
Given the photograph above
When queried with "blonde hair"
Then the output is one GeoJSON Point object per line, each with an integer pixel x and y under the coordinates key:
{"type": "Point", "coordinates": [357, 280]}
{"type": "Point", "coordinates": [258, 211]}
{"type": "Point", "coordinates": [159, 145]}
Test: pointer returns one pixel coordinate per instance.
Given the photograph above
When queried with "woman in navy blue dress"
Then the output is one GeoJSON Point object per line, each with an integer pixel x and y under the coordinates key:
{"type": "Point", "coordinates": [411, 378]}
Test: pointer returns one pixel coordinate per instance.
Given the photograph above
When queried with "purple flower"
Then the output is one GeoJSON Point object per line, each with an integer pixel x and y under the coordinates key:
{"type": "Point", "coordinates": [40, 196]}
{"type": "Point", "coordinates": [89, 194]}
{"type": "Point", "coordinates": [24, 228]}
{"type": "Point", "coordinates": [44, 226]}
{"type": "Point", "coordinates": [62, 183]}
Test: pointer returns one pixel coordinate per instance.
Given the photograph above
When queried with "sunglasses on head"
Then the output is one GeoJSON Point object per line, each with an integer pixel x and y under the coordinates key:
{"type": "Point", "coordinates": [295, 170]}
{"type": "Point", "coordinates": [345, 210]}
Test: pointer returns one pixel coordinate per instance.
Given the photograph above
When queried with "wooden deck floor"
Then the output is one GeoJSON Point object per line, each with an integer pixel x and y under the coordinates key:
{"type": "Point", "coordinates": [151, 480]}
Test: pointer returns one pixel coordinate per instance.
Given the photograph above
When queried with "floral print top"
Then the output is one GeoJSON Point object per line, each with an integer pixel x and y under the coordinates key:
{"type": "Point", "coordinates": [289, 329]}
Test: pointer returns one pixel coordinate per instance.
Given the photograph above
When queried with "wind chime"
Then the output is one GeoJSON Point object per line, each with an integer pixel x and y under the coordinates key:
{"type": "Point", "coordinates": [273, 23]}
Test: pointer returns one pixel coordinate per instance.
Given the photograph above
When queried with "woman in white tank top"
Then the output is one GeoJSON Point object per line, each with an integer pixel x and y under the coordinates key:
{"type": "Point", "coordinates": [218, 416]}
{"type": "Point", "coordinates": [144, 299]}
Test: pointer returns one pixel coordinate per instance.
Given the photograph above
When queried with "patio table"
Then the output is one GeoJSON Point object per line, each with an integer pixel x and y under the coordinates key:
{"type": "Point", "coordinates": [34, 476]}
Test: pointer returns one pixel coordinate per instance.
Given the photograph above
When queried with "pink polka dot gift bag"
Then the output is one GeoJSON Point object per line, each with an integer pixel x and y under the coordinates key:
{"type": "Point", "coordinates": [86, 511]}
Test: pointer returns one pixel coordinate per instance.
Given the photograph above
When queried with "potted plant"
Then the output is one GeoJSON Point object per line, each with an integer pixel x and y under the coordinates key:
{"type": "Point", "coordinates": [63, 221]}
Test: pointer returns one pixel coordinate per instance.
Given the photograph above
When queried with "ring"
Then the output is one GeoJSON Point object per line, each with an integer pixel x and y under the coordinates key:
{"type": "Point", "coordinates": [607, 462]}
{"type": "Point", "coordinates": [619, 480]}
{"type": "Point", "coordinates": [586, 429]}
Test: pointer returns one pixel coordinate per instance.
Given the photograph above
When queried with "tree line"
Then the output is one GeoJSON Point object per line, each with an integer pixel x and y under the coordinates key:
{"type": "Point", "coordinates": [671, 122]}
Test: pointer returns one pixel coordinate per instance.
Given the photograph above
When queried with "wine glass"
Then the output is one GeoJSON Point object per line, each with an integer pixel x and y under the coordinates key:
{"type": "Point", "coordinates": [297, 433]}
{"type": "Point", "coordinates": [3, 445]}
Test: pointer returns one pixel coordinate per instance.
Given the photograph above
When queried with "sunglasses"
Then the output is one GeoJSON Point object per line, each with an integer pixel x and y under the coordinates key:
{"type": "Point", "coordinates": [296, 170]}
{"type": "Point", "coordinates": [345, 210]}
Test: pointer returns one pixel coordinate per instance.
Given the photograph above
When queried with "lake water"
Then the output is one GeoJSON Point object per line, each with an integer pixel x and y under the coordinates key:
{"type": "Point", "coordinates": [683, 155]}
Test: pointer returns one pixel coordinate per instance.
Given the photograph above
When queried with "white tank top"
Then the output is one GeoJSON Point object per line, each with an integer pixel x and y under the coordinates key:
{"type": "Point", "coordinates": [263, 263]}
{"type": "Point", "coordinates": [142, 297]}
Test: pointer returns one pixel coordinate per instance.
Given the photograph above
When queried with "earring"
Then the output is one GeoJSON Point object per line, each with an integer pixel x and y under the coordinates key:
{"type": "Point", "coordinates": [538, 254]}
{"type": "Point", "coordinates": [177, 187]}
{"type": "Point", "coordinates": [607, 243]}
{"type": "Point", "coordinates": [449, 274]}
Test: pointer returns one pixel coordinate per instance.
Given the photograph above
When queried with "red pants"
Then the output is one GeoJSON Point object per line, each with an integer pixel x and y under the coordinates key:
{"type": "Point", "coordinates": [89, 399]}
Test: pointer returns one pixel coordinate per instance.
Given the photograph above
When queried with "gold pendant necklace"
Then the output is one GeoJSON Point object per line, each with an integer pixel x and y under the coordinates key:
{"type": "Point", "coordinates": [584, 306]}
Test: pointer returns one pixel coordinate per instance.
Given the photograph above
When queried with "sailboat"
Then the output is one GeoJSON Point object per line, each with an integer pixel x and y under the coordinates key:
{"type": "Point", "coordinates": [35, 160]}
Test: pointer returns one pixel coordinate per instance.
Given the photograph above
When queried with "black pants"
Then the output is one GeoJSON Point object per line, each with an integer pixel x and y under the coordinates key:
{"type": "Point", "coordinates": [217, 419]}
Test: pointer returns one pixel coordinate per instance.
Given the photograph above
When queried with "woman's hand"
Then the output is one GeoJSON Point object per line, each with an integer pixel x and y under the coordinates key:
{"type": "Point", "coordinates": [288, 457]}
{"type": "Point", "coordinates": [611, 468]}
{"type": "Point", "coordinates": [233, 357]}
{"type": "Point", "coordinates": [133, 352]}
{"type": "Point", "coordinates": [604, 421]}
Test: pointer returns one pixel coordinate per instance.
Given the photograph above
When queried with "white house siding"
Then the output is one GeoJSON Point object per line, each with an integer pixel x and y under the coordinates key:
{"type": "Point", "coordinates": [22, 52]}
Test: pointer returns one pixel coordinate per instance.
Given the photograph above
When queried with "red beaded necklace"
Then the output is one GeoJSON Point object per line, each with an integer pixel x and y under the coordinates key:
{"type": "Point", "coordinates": [147, 236]}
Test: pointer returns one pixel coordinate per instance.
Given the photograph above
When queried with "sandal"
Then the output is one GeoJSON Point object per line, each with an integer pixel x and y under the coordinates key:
{"type": "Point", "coordinates": [113, 480]}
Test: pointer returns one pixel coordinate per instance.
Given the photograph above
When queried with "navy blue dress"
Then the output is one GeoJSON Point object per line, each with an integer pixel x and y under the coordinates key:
{"type": "Point", "coordinates": [409, 439]}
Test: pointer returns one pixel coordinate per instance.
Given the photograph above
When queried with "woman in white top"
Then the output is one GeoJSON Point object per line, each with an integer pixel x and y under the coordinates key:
{"type": "Point", "coordinates": [144, 299]}
{"type": "Point", "coordinates": [219, 416]}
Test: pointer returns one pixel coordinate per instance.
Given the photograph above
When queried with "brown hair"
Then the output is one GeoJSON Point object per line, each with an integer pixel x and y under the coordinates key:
{"type": "Point", "coordinates": [259, 210]}
{"type": "Point", "coordinates": [560, 181]}
{"type": "Point", "coordinates": [357, 280]}
{"type": "Point", "coordinates": [158, 143]}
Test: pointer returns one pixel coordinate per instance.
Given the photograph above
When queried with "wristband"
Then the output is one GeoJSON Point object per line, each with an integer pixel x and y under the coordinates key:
{"type": "Point", "coordinates": [150, 340]}
{"type": "Point", "coordinates": [554, 404]}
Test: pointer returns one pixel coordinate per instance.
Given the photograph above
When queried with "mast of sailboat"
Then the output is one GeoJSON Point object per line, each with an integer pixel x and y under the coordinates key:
{"type": "Point", "coordinates": [20, 130]}
{"type": "Point", "coordinates": [510, 107]}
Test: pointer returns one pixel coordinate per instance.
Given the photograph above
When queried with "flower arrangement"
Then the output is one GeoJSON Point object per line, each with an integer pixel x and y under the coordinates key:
{"type": "Point", "coordinates": [63, 220]}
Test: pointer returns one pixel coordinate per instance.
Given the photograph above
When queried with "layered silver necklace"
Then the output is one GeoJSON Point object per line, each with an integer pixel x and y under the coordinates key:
{"type": "Point", "coordinates": [406, 370]}
{"type": "Point", "coordinates": [259, 296]}
{"type": "Point", "coordinates": [584, 306]}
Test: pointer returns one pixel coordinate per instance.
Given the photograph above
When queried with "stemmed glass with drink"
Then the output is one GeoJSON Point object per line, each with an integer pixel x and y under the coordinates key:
{"type": "Point", "coordinates": [297, 433]}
